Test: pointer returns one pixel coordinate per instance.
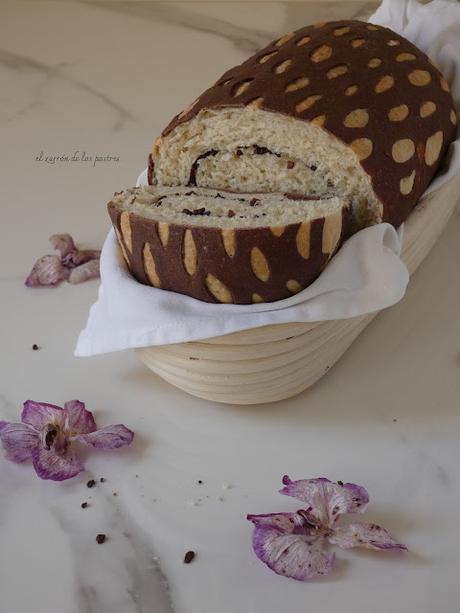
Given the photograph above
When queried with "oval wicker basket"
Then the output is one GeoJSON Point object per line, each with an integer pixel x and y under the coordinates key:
{"type": "Point", "coordinates": [274, 362]}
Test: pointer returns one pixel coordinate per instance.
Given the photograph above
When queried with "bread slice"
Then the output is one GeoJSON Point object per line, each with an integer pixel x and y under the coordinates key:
{"type": "Point", "coordinates": [220, 246]}
{"type": "Point", "coordinates": [345, 107]}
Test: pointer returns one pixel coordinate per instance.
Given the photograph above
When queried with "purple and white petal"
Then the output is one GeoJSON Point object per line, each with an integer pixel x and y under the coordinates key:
{"type": "Point", "coordinates": [84, 272]}
{"type": "Point", "coordinates": [48, 271]}
{"type": "Point", "coordinates": [80, 256]}
{"type": "Point", "coordinates": [326, 500]}
{"type": "Point", "coordinates": [370, 536]}
{"type": "Point", "coordinates": [50, 465]}
{"type": "Point", "coordinates": [292, 555]}
{"type": "Point", "coordinates": [289, 523]}
{"type": "Point", "coordinates": [110, 437]}
{"type": "Point", "coordinates": [78, 419]}
{"type": "Point", "coordinates": [39, 414]}
{"type": "Point", "coordinates": [18, 440]}
{"type": "Point", "coordinates": [63, 243]}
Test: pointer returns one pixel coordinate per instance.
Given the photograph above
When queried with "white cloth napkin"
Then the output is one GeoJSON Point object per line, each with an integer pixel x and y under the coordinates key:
{"type": "Point", "coordinates": [365, 276]}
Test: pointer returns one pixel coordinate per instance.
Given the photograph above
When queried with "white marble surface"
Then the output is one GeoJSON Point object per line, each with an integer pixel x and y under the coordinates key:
{"type": "Point", "coordinates": [104, 78]}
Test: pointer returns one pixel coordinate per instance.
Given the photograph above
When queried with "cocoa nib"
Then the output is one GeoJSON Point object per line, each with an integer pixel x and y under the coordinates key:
{"type": "Point", "coordinates": [100, 538]}
{"type": "Point", "coordinates": [188, 557]}
{"type": "Point", "coordinates": [91, 483]}
{"type": "Point", "coordinates": [201, 211]}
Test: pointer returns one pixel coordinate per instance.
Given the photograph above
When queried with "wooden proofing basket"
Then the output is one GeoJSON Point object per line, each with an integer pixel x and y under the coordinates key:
{"type": "Point", "coordinates": [274, 362]}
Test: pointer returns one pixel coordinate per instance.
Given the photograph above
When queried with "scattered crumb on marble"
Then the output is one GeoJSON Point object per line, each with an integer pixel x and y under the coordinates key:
{"type": "Point", "coordinates": [101, 538]}
{"type": "Point", "coordinates": [84, 505]}
{"type": "Point", "coordinates": [200, 482]}
{"type": "Point", "coordinates": [193, 503]}
{"type": "Point", "coordinates": [91, 483]}
{"type": "Point", "coordinates": [189, 557]}
{"type": "Point", "coordinates": [35, 347]}
{"type": "Point", "coordinates": [137, 476]}
{"type": "Point", "coordinates": [102, 479]}
{"type": "Point", "coordinates": [220, 498]}
{"type": "Point", "coordinates": [394, 420]}
{"type": "Point", "coordinates": [226, 486]}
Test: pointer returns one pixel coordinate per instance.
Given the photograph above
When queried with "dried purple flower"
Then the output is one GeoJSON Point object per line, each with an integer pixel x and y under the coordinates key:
{"type": "Point", "coordinates": [75, 265]}
{"type": "Point", "coordinates": [46, 433]}
{"type": "Point", "coordinates": [47, 271]}
{"type": "Point", "coordinates": [294, 544]}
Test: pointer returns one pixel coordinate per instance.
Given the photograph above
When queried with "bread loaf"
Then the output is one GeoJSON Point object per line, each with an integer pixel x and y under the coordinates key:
{"type": "Point", "coordinates": [226, 247]}
{"type": "Point", "coordinates": [345, 108]}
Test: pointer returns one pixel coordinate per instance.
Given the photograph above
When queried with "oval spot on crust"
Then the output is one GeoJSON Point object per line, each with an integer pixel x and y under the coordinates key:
{"type": "Point", "coordinates": [259, 264]}
{"type": "Point", "coordinates": [337, 71]}
{"type": "Point", "coordinates": [393, 43]}
{"type": "Point", "coordinates": [220, 292]}
{"type": "Point", "coordinates": [229, 240]}
{"type": "Point", "coordinates": [188, 108]}
{"type": "Point", "coordinates": [224, 82]}
{"type": "Point", "coordinates": [405, 57]}
{"type": "Point", "coordinates": [255, 103]}
{"type": "Point", "coordinates": [284, 39]}
{"type": "Point", "coordinates": [356, 119]}
{"type": "Point", "coordinates": [351, 90]}
{"type": "Point", "coordinates": [319, 120]}
{"type": "Point", "coordinates": [384, 84]}
{"type": "Point", "coordinates": [277, 230]}
{"type": "Point", "coordinates": [303, 41]}
{"type": "Point", "coordinates": [241, 87]}
{"type": "Point", "coordinates": [149, 266]}
{"type": "Point", "coordinates": [332, 231]}
{"type": "Point", "coordinates": [293, 286]}
{"type": "Point", "coordinates": [280, 68]}
{"type": "Point", "coordinates": [122, 247]}
{"type": "Point", "coordinates": [307, 103]}
{"type": "Point", "coordinates": [302, 240]}
{"type": "Point", "coordinates": [419, 78]}
{"type": "Point", "coordinates": [189, 253]}
{"type": "Point", "coordinates": [125, 227]}
{"type": "Point", "coordinates": [320, 54]}
{"type": "Point", "coordinates": [371, 27]}
{"type": "Point", "coordinates": [256, 299]}
{"type": "Point", "coordinates": [374, 62]}
{"type": "Point", "coordinates": [427, 109]}
{"type": "Point", "coordinates": [433, 147]}
{"type": "Point", "coordinates": [444, 84]}
{"type": "Point", "coordinates": [299, 83]}
{"type": "Point", "coordinates": [407, 183]}
{"type": "Point", "coordinates": [403, 150]}
{"type": "Point", "coordinates": [453, 117]}
{"type": "Point", "coordinates": [362, 147]}
{"type": "Point", "coordinates": [341, 31]}
{"type": "Point", "coordinates": [266, 57]}
{"type": "Point", "coordinates": [357, 42]}
{"type": "Point", "coordinates": [398, 113]}
{"type": "Point", "coordinates": [163, 232]}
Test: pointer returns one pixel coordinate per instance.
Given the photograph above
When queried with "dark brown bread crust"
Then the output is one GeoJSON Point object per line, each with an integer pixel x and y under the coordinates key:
{"type": "Point", "coordinates": [394, 82]}
{"type": "Point", "coordinates": [241, 278]}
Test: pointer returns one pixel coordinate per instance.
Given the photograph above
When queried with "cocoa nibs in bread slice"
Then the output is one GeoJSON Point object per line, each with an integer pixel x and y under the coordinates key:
{"type": "Point", "coordinates": [223, 209]}
{"type": "Point", "coordinates": [220, 246]}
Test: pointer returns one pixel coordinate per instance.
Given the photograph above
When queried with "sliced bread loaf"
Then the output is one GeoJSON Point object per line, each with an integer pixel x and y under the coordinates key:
{"type": "Point", "coordinates": [220, 246]}
{"type": "Point", "coordinates": [344, 107]}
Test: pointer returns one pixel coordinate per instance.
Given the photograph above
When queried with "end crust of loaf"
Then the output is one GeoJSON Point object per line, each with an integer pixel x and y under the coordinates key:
{"type": "Point", "coordinates": [219, 246]}
{"type": "Point", "coordinates": [345, 108]}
